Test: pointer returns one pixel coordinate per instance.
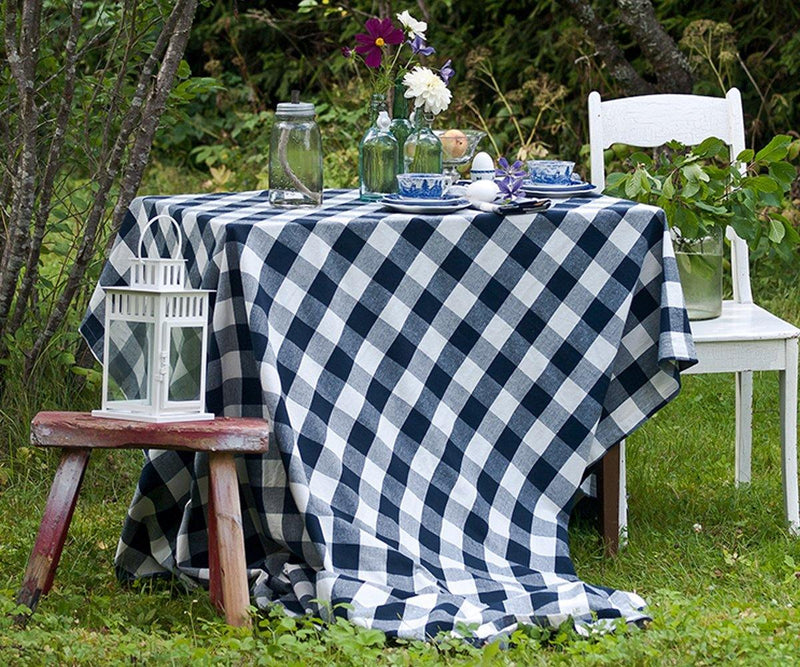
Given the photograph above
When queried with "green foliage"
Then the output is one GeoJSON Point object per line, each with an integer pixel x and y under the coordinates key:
{"type": "Point", "coordinates": [701, 188]}
{"type": "Point", "coordinates": [523, 72]}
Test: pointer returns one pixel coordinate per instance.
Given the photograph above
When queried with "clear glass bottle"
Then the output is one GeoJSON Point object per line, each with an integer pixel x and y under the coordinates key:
{"type": "Point", "coordinates": [377, 154]}
{"type": "Point", "coordinates": [295, 156]}
{"type": "Point", "coordinates": [422, 152]}
{"type": "Point", "coordinates": [401, 127]}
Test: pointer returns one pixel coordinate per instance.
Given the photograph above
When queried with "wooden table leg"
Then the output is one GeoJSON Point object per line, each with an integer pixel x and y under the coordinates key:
{"type": "Point", "coordinates": [53, 529]}
{"type": "Point", "coordinates": [229, 537]}
{"type": "Point", "coordinates": [608, 497]}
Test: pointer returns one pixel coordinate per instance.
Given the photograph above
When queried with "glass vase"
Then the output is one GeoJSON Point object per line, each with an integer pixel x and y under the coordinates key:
{"type": "Point", "coordinates": [401, 127]}
{"type": "Point", "coordinates": [422, 153]}
{"type": "Point", "coordinates": [700, 269]}
{"type": "Point", "coordinates": [377, 154]}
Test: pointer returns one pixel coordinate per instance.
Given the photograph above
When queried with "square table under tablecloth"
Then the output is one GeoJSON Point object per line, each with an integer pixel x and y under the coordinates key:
{"type": "Point", "coordinates": [438, 386]}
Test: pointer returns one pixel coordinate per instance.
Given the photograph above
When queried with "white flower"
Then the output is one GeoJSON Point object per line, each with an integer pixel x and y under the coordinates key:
{"type": "Point", "coordinates": [427, 89]}
{"type": "Point", "coordinates": [412, 26]}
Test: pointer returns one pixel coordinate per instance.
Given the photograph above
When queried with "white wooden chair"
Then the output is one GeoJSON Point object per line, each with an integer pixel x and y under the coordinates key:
{"type": "Point", "coordinates": [745, 338]}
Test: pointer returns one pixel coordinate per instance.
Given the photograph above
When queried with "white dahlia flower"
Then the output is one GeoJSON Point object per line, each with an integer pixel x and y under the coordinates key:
{"type": "Point", "coordinates": [427, 89]}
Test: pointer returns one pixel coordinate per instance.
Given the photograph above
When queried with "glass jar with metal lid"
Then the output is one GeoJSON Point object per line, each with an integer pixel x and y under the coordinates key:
{"type": "Point", "coordinates": [295, 156]}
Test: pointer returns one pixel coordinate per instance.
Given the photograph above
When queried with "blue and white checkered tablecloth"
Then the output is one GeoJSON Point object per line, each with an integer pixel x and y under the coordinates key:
{"type": "Point", "coordinates": [438, 386]}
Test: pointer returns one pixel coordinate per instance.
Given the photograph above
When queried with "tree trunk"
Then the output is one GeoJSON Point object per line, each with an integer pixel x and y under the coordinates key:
{"type": "Point", "coordinates": [671, 67]}
{"type": "Point", "coordinates": [608, 50]}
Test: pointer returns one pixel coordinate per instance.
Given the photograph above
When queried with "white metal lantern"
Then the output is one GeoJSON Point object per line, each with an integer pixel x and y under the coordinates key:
{"type": "Point", "coordinates": [156, 334]}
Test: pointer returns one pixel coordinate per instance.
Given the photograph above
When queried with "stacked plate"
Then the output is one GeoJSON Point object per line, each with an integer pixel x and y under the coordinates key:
{"type": "Point", "coordinates": [445, 204]}
{"type": "Point", "coordinates": [554, 191]}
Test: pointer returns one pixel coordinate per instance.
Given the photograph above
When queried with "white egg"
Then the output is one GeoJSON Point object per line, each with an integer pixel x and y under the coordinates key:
{"type": "Point", "coordinates": [482, 190]}
{"type": "Point", "coordinates": [482, 162]}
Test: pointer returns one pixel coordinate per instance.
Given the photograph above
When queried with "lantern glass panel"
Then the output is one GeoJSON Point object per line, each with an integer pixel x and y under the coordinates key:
{"type": "Point", "coordinates": [185, 363]}
{"type": "Point", "coordinates": [128, 363]}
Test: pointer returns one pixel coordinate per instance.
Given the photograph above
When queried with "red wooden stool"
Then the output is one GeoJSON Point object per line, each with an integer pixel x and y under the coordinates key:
{"type": "Point", "coordinates": [78, 433]}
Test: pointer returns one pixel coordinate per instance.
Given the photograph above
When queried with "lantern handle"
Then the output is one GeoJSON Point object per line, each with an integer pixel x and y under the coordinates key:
{"type": "Point", "coordinates": [177, 229]}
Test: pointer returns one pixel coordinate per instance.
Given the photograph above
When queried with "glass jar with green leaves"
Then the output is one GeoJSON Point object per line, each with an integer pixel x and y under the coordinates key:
{"type": "Point", "coordinates": [702, 192]}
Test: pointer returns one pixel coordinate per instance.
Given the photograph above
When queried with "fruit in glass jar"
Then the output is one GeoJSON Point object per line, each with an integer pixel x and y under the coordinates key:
{"type": "Point", "coordinates": [454, 144]}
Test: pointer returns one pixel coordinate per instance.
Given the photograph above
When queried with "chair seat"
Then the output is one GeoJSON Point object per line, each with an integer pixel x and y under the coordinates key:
{"type": "Point", "coordinates": [744, 338]}
{"type": "Point", "coordinates": [743, 321]}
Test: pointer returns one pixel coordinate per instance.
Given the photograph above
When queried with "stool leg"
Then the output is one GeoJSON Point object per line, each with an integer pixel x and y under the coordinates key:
{"type": "Point", "coordinates": [229, 537]}
{"type": "Point", "coordinates": [53, 529]}
{"type": "Point", "coordinates": [214, 572]}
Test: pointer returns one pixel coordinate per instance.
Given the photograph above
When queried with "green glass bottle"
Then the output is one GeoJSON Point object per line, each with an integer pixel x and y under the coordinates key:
{"type": "Point", "coordinates": [422, 152]}
{"type": "Point", "coordinates": [401, 127]}
{"type": "Point", "coordinates": [377, 154]}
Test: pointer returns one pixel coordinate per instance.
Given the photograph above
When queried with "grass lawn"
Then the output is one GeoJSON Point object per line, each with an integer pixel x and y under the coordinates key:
{"type": "Point", "coordinates": [716, 564]}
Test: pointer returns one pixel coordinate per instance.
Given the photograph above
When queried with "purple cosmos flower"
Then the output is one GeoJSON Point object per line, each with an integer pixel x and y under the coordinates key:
{"type": "Point", "coordinates": [380, 32]}
{"type": "Point", "coordinates": [446, 72]}
{"type": "Point", "coordinates": [418, 46]}
{"type": "Point", "coordinates": [347, 52]}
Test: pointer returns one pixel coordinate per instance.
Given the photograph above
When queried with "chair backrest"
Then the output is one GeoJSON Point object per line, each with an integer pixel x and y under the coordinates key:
{"type": "Point", "coordinates": [647, 121]}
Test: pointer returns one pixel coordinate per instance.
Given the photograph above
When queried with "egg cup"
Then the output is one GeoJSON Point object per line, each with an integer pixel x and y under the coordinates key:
{"type": "Point", "coordinates": [482, 174]}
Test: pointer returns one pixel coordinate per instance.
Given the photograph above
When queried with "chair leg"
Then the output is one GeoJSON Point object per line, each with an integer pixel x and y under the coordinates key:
{"type": "Point", "coordinates": [788, 390]}
{"type": "Point", "coordinates": [229, 538]}
{"type": "Point", "coordinates": [744, 426]}
{"type": "Point", "coordinates": [623, 495]}
{"type": "Point", "coordinates": [53, 528]}
{"type": "Point", "coordinates": [608, 497]}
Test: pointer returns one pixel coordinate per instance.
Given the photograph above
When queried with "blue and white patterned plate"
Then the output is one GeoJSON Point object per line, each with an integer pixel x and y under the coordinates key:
{"type": "Point", "coordinates": [418, 205]}
{"type": "Point", "coordinates": [551, 190]}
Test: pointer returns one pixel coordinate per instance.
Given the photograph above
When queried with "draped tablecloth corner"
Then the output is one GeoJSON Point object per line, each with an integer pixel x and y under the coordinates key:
{"type": "Point", "coordinates": [438, 386]}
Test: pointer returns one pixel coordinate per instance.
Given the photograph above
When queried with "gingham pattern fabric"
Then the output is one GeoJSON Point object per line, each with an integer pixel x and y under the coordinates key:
{"type": "Point", "coordinates": [438, 386]}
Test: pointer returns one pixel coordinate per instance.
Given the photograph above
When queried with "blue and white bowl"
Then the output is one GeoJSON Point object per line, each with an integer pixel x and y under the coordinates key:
{"type": "Point", "coordinates": [422, 186]}
{"type": "Point", "coordinates": [550, 172]}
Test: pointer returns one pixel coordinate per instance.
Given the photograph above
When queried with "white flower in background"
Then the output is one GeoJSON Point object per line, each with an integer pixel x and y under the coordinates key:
{"type": "Point", "coordinates": [427, 89]}
{"type": "Point", "coordinates": [413, 27]}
